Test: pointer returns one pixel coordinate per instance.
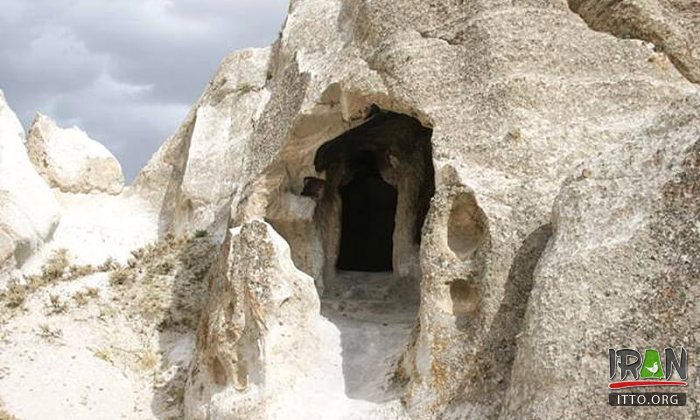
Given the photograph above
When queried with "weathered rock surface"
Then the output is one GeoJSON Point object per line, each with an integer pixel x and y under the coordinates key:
{"type": "Point", "coordinates": [621, 271]}
{"type": "Point", "coordinates": [517, 98]}
{"type": "Point", "coordinates": [195, 174]}
{"type": "Point", "coordinates": [510, 108]}
{"type": "Point", "coordinates": [29, 212]}
{"type": "Point", "coordinates": [70, 160]}
{"type": "Point", "coordinates": [673, 26]}
{"type": "Point", "coordinates": [257, 335]}
{"type": "Point", "coordinates": [543, 177]}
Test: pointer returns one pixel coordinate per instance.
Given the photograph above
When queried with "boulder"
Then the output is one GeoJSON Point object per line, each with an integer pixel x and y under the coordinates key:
{"type": "Point", "coordinates": [29, 212]}
{"type": "Point", "coordinates": [70, 160]}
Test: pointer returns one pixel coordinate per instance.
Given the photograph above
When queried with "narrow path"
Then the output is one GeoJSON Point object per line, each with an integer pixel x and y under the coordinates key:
{"type": "Point", "coordinates": [373, 334]}
{"type": "Point", "coordinates": [362, 339]}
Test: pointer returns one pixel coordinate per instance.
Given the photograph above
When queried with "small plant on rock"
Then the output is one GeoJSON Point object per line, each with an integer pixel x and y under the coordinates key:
{"type": "Point", "coordinates": [15, 295]}
{"type": "Point", "coordinates": [120, 276]}
{"type": "Point", "coordinates": [105, 354]}
{"type": "Point", "coordinates": [82, 297]}
{"type": "Point", "coordinates": [164, 267]}
{"type": "Point", "coordinates": [148, 359]}
{"type": "Point", "coordinates": [246, 88]}
{"type": "Point", "coordinates": [109, 265]}
{"type": "Point", "coordinates": [78, 271]}
{"type": "Point", "coordinates": [56, 306]}
{"type": "Point", "coordinates": [56, 266]}
{"type": "Point", "coordinates": [48, 333]}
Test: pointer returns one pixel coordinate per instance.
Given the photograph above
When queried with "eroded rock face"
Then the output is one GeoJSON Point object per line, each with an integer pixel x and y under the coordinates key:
{"type": "Point", "coordinates": [516, 95]}
{"type": "Point", "coordinates": [29, 213]}
{"type": "Point", "coordinates": [196, 173]}
{"type": "Point", "coordinates": [70, 160]}
{"type": "Point", "coordinates": [257, 335]}
{"type": "Point", "coordinates": [621, 271]}
{"type": "Point", "coordinates": [672, 25]}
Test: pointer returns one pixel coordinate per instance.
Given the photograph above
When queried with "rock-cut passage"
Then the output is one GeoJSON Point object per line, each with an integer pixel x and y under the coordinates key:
{"type": "Point", "coordinates": [378, 183]}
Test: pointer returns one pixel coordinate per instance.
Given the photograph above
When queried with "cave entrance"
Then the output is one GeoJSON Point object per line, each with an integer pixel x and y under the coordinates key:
{"type": "Point", "coordinates": [354, 222]}
{"type": "Point", "coordinates": [373, 190]}
{"type": "Point", "coordinates": [367, 217]}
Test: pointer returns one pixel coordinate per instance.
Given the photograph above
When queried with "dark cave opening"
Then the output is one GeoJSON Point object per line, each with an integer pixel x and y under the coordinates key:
{"type": "Point", "coordinates": [367, 217]}
{"type": "Point", "coordinates": [378, 179]}
{"type": "Point", "coordinates": [372, 187]}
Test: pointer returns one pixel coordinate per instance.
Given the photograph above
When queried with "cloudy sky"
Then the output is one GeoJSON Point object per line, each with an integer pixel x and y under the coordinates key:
{"type": "Point", "coordinates": [125, 71]}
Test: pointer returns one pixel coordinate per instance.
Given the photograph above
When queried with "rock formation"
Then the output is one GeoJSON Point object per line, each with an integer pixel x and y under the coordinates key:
{"type": "Point", "coordinates": [673, 26]}
{"type": "Point", "coordinates": [70, 160]}
{"type": "Point", "coordinates": [195, 174]}
{"type": "Point", "coordinates": [258, 331]}
{"type": "Point", "coordinates": [622, 267]}
{"type": "Point", "coordinates": [518, 99]}
{"type": "Point", "coordinates": [29, 212]}
{"type": "Point", "coordinates": [540, 159]}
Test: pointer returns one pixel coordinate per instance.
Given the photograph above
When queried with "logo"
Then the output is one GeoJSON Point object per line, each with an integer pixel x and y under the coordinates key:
{"type": "Point", "coordinates": [651, 369]}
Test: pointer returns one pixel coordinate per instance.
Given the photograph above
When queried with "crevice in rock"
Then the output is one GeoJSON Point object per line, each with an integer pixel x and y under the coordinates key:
{"type": "Point", "coordinates": [509, 319]}
{"type": "Point", "coordinates": [451, 41]}
{"type": "Point", "coordinates": [465, 302]}
{"type": "Point", "coordinates": [498, 351]}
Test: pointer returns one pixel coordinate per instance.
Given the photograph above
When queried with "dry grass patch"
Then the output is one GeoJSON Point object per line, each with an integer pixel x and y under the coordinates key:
{"type": "Point", "coordinates": [51, 271]}
{"type": "Point", "coordinates": [78, 271]}
{"type": "Point", "coordinates": [164, 282]}
{"type": "Point", "coordinates": [49, 334]}
{"type": "Point", "coordinates": [82, 297]}
{"type": "Point", "coordinates": [56, 268]}
{"type": "Point", "coordinates": [148, 359]}
{"type": "Point", "coordinates": [15, 295]}
{"type": "Point", "coordinates": [121, 275]}
{"type": "Point", "coordinates": [56, 305]}
{"type": "Point", "coordinates": [105, 354]}
{"type": "Point", "coordinates": [109, 265]}
{"type": "Point", "coordinates": [4, 415]}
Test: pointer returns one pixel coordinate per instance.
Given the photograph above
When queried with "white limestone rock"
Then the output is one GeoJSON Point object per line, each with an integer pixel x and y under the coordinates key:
{"type": "Point", "coordinates": [29, 212]}
{"type": "Point", "coordinates": [70, 160]}
{"type": "Point", "coordinates": [195, 174]}
{"type": "Point", "coordinates": [673, 26]}
{"type": "Point", "coordinates": [621, 271]}
{"type": "Point", "coordinates": [517, 95]}
{"type": "Point", "coordinates": [258, 334]}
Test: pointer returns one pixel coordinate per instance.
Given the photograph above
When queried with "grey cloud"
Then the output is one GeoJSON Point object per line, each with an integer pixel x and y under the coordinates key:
{"type": "Point", "coordinates": [124, 71]}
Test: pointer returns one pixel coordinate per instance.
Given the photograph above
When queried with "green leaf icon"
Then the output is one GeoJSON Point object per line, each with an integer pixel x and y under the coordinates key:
{"type": "Point", "coordinates": [652, 365]}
